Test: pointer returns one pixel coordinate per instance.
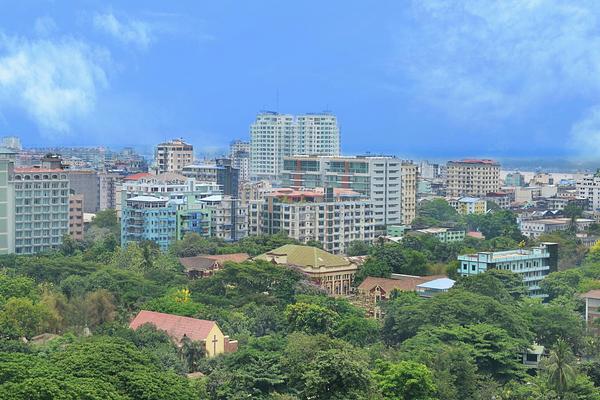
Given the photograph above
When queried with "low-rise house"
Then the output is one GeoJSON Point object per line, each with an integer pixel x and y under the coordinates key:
{"type": "Point", "coordinates": [444, 235]}
{"type": "Point", "coordinates": [502, 199]}
{"type": "Point", "coordinates": [197, 330]}
{"type": "Point", "coordinates": [475, 235]}
{"type": "Point", "coordinates": [538, 227]}
{"type": "Point", "coordinates": [586, 239]}
{"type": "Point", "coordinates": [436, 286]}
{"type": "Point", "coordinates": [205, 265]}
{"type": "Point", "coordinates": [395, 230]}
{"type": "Point", "coordinates": [592, 307]}
{"type": "Point", "coordinates": [331, 272]}
{"type": "Point", "coordinates": [533, 355]}
{"type": "Point", "coordinates": [468, 205]}
{"type": "Point", "coordinates": [374, 290]}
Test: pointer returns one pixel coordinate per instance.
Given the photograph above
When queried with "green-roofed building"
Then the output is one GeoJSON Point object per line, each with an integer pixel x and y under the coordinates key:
{"type": "Point", "coordinates": [332, 272]}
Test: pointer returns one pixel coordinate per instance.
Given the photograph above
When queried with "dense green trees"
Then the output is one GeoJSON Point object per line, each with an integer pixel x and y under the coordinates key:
{"type": "Point", "coordinates": [193, 244]}
{"type": "Point", "coordinates": [400, 259]}
{"type": "Point", "coordinates": [358, 248]}
{"type": "Point", "coordinates": [406, 380]}
{"type": "Point", "coordinates": [501, 285]}
{"type": "Point", "coordinates": [373, 267]}
{"type": "Point", "coordinates": [295, 343]}
{"type": "Point", "coordinates": [95, 368]}
{"type": "Point", "coordinates": [496, 223]}
{"type": "Point", "coordinates": [434, 213]}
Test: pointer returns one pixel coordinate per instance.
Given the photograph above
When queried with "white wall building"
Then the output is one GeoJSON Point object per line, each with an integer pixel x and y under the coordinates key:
{"type": "Point", "coordinates": [275, 136]}
{"type": "Point", "coordinates": [538, 227]}
{"type": "Point", "coordinates": [239, 153]}
{"type": "Point", "coordinates": [335, 217]}
{"type": "Point", "coordinates": [588, 186]}
{"type": "Point", "coordinates": [388, 182]}
{"type": "Point", "coordinates": [173, 156]}
{"type": "Point", "coordinates": [472, 177]}
{"type": "Point", "coordinates": [532, 264]}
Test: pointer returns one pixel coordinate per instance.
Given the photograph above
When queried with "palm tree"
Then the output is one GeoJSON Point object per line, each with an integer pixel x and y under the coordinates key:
{"type": "Point", "coordinates": [561, 373]}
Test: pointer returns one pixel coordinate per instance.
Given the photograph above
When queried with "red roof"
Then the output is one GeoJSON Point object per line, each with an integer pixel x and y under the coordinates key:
{"type": "Point", "coordinates": [137, 176]}
{"type": "Point", "coordinates": [476, 235]}
{"type": "Point", "coordinates": [174, 325]}
{"type": "Point", "coordinates": [407, 283]}
{"type": "Point", "coordinates": [476, 161]}
{"type": "Point", "coordinates": [592, 294]}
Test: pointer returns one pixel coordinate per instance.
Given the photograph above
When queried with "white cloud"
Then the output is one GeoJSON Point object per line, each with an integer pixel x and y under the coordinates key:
{"type": "Point", "coordinates": [44, 26]}
{"type": "Point", "coordinates": [130, 31]}
{"type": "Point", "coordinates": [585, 134]}
{"type": "Point", "coordinates": [497, 59]}
{"type": "Point", "coordinates": [54, 81]}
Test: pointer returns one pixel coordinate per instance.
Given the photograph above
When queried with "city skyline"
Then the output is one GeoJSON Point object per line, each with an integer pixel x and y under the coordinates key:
{"type": "Point", "coordinates": [444, 81]}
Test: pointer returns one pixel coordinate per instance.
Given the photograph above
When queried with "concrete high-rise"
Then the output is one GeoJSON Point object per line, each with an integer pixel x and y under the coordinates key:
{"type": "Point", "coordinates": [173, 156]}
{"type": "Point", "coordinates": [588, 187]}
{"type": "Point", "coordinates": [472, 178]}
{"type": "Point", "coordinates": [388, 182]}
{"type": "Point", "coordinates": [275, 136]}
{"type": "Point", "coordinates": [41, 208]}
{"type": "Point", "coordinates": [239, 153]}
{"type": "Point", "coordinates": [7, 202]}
{"type": "Point", "coordinates": [334, 217]}
{"type": "Point", "coordinates": [86, 183]}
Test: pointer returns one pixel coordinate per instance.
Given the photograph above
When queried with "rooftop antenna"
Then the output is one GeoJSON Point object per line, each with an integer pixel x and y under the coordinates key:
{"type": "Point", "coordinates": [277, 99]}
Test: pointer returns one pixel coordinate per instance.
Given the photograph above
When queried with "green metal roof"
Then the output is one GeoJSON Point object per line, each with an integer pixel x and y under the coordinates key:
{"type": "Point", "coordinates": [304, 256]}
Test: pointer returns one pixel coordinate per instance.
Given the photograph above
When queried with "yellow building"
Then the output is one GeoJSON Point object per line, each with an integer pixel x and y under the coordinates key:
{"type": "Point", "coordinates": [333, 273]}
{"type": "Point", "coordinates": [468, 205]}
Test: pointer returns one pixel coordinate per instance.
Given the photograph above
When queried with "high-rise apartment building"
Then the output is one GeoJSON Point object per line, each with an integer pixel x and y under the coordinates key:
{"type": "Point", "coordinates": [250, 191]}
{"type": "Point", "coordinates": [221, 172]}
{"type": "Point", "coordinates": [429, 170]}
{"type": "Point", "coordinates": [334, 217]}
{"type": "Point", "coordinates": [514, 179]}
{"type": "Point", "coordinates": [87, 183]}
{"type": "Point", "coordinates": [7, 201]}
{"type": "Point", "coordinates": [275, 136]}
{"type": "Point", "coordinates": [408, 199]}
{"type": "Point", "coordinates": [229, 221]}
{"type": "Point", "coordinates": [239, 153]}
{"type": "Point", "coordinates": [150, 218]}
{"type": "Point", "coordinates": [76, 206]}
{"type": "Point", "coordinates": [12, 143]}
{"type": "Point", "coordinates": [472, 178]}
{"type": "Point", "coordinates": [227, 177]}
{"type": "Point", "coordinates": [589, 187]}
{"type": "Point", "coordinates": [173, 156]}
{"type": "Point", "coordinates": [164, 219]}
{"type": "Point", "coordinates": [41, 208]}
{"type": "Point", "coordinates": [110, 184]}
{"type": "Point", "coordinates": [388, 182]}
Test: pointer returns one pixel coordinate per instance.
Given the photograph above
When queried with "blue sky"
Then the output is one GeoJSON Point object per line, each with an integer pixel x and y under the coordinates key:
{"type": "Point", "coordinates": [427, 78]}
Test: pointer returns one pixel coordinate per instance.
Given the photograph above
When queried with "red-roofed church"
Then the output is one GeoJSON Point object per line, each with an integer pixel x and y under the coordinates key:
{"type": "Point", "coordinates": [178, 327]}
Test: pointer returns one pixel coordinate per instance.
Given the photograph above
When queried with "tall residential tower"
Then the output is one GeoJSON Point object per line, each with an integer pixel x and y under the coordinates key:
{"type": "Point", "coordinates": [472, 178]}
{"type": "Point", "coordinates": [173, 156]}
{"type": "Point", "coordinates": [275, 136]}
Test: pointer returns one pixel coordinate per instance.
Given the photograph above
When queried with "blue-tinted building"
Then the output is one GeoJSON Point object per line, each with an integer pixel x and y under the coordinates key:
{"type": "Point", "coordinates": [149, 218]}
{"type": "Point", "coordinates": [532, 264]}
